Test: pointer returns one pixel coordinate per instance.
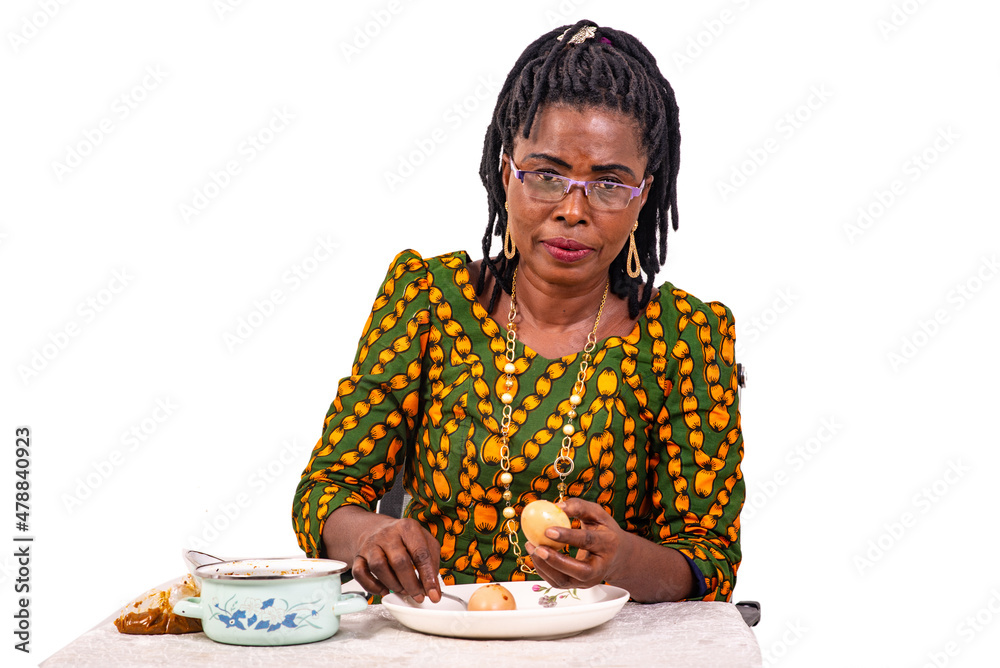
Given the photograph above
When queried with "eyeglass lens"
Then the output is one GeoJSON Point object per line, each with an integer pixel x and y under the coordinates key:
{"type": "Point", "coordinates": [552, 187]}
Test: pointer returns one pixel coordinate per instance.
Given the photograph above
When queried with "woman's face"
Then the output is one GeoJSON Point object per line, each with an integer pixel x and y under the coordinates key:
{"type": "Point", "coordinates": [570, 241]}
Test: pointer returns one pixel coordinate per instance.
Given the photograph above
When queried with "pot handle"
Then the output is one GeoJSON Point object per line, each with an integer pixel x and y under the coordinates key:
{"type": "Point", "coordinates": [188, 607]}
{"type": "Point", "coordinates": [350, 602]}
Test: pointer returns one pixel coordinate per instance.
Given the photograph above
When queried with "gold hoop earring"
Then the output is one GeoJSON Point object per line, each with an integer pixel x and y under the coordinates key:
{"type": "Point", "coordinates": [509, 250]}
{"type": "Point", "coordinates": [632, 263]}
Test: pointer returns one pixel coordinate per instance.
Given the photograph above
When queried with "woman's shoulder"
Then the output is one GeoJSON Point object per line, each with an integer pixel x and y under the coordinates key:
{"type": "Point", "coordinates": [444, 278]}
{"type": "Point", "coordinates": [409, 266]}
{"type": "Point", "coordinates": [412, 260]}
{"type": "Point", "coordinates": [671, 304]}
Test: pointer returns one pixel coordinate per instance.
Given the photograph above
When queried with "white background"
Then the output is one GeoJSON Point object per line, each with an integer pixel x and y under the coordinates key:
{"type": "Point", "coordinates": [871, 533]}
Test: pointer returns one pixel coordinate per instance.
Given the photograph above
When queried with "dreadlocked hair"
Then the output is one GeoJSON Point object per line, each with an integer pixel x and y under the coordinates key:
{"type": "Point", "coordinates": [611, 70]}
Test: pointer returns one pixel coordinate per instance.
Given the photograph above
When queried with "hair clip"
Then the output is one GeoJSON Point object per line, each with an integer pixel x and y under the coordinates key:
{"type": "Point", "coordinates": [584, 33]}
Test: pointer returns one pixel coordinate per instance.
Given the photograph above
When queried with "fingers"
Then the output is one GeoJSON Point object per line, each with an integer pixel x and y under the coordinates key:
{"type": "Point", "coordinates": [584, 539]}
{"type": "Point", "coordinates": [563, 571]}
{"type": "Point", "coordinates": [586, 511]}
{"type": "Point", "coordinates": [415, 562]}
{"type": "Point", "coordinates": [364, 576]}
{"type": "Point", "coordinates": [400, 561]}
{"type": "Point", "coordinates": [597, 542]}
{"type": "Point", "coordinates": [379, 566]}
{"type": "Point", "coordinates": [428, 561]}
{"type": "Point", "coordinates": [402, 557]}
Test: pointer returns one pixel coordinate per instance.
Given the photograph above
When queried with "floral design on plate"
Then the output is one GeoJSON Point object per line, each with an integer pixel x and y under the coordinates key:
{"type": "Point", "coordinates": [548, 600]}
{"type": "Point", "coordinates": [267, 615]}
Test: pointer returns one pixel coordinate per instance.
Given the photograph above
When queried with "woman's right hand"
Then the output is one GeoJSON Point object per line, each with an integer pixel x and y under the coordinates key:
{"type": "Point", "coordinates": [401, 556]}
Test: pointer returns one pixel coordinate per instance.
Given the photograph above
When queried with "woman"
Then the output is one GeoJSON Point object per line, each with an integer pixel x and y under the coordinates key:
{"type": "Point", "coordinates": [553, 370]}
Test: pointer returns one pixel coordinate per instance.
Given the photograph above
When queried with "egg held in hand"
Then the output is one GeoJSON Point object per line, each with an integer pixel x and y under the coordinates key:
{"type": "Point", "coordinates": [491, 597]}
{"type": "Point", "coordinates": [538, 516]}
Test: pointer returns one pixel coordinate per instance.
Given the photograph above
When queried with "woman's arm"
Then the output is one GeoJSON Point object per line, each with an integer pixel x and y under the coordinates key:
{"type": "Point", "coordinates": [699, 489]}
{"type": "Point", "coordinates": [696, 481]}
{"type": "Point", "coordinates": [370, 423]}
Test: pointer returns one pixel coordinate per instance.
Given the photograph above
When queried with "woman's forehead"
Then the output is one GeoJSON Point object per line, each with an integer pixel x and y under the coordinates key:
{"type": "Point", "coordinates": [605, 135]}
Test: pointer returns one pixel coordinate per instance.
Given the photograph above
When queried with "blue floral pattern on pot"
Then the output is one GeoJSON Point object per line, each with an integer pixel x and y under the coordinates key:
{"type": "Point", "coordinates": [267, 615]}
{"type": "Point", "coordinates": [550, 600]}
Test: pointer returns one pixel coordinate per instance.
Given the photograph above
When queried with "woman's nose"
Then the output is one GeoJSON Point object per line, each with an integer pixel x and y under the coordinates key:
{"type": "Point", "coordinates": [574, 207]}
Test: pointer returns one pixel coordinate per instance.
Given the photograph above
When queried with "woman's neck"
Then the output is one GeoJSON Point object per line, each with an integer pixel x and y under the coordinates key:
{"type": "Point", "coordinates": [554, 320]}
{"type": "Point", "coordinates": [556, 307]}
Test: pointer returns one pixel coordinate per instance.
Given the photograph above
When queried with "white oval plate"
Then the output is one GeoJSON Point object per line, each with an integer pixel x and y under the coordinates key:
{"type": "Point", "coordinates": [571, 612]}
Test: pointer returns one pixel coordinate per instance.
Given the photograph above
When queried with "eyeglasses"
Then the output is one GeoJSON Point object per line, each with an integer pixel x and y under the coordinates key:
{"type": "Point", "coordinates": [547, 187]}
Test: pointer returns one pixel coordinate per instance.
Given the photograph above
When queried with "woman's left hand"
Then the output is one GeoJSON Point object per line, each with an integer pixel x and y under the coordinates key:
{"type": "Point", "coordinates": [603, 548]}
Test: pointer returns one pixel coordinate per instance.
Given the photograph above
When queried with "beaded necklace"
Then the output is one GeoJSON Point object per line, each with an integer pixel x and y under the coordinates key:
{"type": "Point", "coordinates": [563, 462]}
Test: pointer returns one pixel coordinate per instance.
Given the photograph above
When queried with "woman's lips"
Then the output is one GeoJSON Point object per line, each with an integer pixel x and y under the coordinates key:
{"type": "Point", "coordinates": [566, 250]}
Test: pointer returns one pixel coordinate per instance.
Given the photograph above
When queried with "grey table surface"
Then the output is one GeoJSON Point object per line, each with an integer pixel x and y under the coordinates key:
{"type": "Point", "coordinates": [704, 634]}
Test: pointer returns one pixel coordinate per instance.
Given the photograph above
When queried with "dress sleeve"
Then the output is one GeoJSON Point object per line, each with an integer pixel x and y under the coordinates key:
{"type": "Point", "coordinates": [375, 412]}
{"type": "Point", "coordinates": [698, 488]}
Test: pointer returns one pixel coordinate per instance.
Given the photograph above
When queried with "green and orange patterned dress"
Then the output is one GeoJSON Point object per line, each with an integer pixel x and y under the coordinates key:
{"type": "Point", "coordinates": [658, 445]}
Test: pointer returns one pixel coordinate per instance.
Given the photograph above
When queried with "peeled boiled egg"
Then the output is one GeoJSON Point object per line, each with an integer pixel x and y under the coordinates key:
{"type": "Point", "coordinates": [538, 516]}
{"type": "Point", "coordinates": [491, 597]}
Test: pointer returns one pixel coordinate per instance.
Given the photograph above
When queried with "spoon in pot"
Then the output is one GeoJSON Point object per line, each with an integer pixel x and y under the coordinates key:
{"type": "Point", "coordinates": [194, 559]}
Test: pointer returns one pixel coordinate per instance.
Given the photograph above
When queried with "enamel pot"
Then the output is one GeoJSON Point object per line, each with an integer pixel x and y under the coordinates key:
{"type": "Point", "coordinates": [270, 601]}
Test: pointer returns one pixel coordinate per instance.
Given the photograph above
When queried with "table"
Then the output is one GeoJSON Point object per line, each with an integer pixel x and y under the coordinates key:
{"type": "Point", "coordinates": [704, 634]}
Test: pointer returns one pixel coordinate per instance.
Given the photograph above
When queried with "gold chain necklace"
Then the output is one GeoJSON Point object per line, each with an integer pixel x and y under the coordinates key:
{"type": "Point", "coordinates": [563, 463]}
